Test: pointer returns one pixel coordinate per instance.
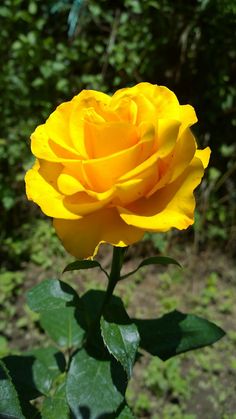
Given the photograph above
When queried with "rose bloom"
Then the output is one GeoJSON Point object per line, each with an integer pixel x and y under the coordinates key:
{"type": "Point", "coordinates": [110, 168]}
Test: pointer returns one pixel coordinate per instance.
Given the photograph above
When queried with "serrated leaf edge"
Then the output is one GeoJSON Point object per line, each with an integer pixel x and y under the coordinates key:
{"type": "Point", "coordinates": [128, 372]}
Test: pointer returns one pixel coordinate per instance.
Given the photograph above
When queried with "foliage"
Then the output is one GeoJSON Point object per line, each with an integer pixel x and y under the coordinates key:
{"type": "Point", "coordinates": [153, 291]}
{"type": "Point", "coordinates": [99, 345]}
{"type": "Point", "coordinates": [97, 349]}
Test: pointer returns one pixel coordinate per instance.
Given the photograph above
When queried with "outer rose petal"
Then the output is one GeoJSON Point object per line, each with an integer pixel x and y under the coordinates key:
{"type": "Point", "coordinates": [171, 206]}
{"type": "Point", "coordinates": [41, 187]}
{"type": "Point", "coordinates": [91, 98]}
{"type": "Point", "coordinates": [204, 156]}
{"type": "Point", "coordinates": [188, 116]}
{"type": "Point", "coordinates": [44, 148]}
{"type": "Point", "coordinates": [82, 237]}
{"type": "Point", "coordinates": [40, 146]}
{"type": "Point", "coordinates": [57, 125]}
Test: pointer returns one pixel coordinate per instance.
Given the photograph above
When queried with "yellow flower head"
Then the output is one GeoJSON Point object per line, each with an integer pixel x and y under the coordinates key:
{"type": "Point", "coordinates": [109, 168]}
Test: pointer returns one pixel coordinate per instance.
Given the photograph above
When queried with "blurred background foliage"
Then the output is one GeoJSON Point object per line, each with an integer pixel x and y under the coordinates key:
{"type": "Point", "coordinates": [51, 50]}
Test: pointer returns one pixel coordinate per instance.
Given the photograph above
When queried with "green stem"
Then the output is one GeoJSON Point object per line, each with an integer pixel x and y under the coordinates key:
{"type": "Point", "coordinates": [114, 277]}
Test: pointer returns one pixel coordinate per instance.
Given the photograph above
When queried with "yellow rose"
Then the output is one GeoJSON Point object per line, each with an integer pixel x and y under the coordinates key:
{"type": "Point", "coordinates": [109, 168]}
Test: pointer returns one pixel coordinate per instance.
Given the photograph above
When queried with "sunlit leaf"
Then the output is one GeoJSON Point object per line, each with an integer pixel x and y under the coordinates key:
{"type": "Point", "coordinates": [51, 294]}
{"type": "Point", "coordinates": [125, 413]}
{"type": "Point", "coordinates": [63, 327]}
{"type": "Point", "coordinates": [120, 335]}
{"type": "Point", "coordinates": [56, 406]}
{"type": "Point", "coordinates": [49, 364]}
{"type": "Point", "coordinates": [95, 387]}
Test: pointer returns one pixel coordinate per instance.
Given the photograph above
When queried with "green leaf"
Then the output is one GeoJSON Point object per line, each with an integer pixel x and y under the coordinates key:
{"type": "Point", "coordinates": [175, 333]}
{"type": "Point", "coordinates": [48, 366]}
{"type": "Point", "coordinates": [120, 335]}
{"type": "Point", "coordinates": [51, 294]}
{"type": "Point", "coordinates": [154, 260]}
{"type": "Point", "coordinates": [56, 406]}
{"type": "Point", "coordinates": [125, 413]}
{"type": "Point", "coordinates": [21, 371]}
{"type": "Point", "coordinates": [9, 402]}
{"type": "Point", "coordinates": [60, 312]}
{"type": "Point", "coordinates": [34, 374]}
{"type": "Point", "coordinates": [92, 302]}
{"type": "Point", "coordinates": [63, 327]}
{"type": "Point", "coordinates": [95, 387]}
{"type": "Point", "coordinates": [84, 264]}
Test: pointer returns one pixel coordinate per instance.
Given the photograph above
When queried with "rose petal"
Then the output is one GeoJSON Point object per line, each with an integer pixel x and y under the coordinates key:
{"type": "Point", "coordinates": [103, 173]}
{"type": "Point", "coordinates": [105, 225]}
{"type": "Point", "coordinates": [68, 182]}
{"type": "Point", "coordinates": [173, 165]}
{"type": "Point", "coordinates": [44, 148]}
{"type": "Point", "coordinates": [172, 206]}
{"type": "Point", "coordinates": [57, 125]}
{"type": "Point", "coordinates": [126, 108]}
{"type": "Point", "coordinates": [152, 101]}
{"type": "Point", "coordinates": [41, 187]}
{"type": "Point", "coordinates": [145, 176]}
{"type": "Point", "coordinates": [105, 139]}
{"type": "Point", "coordinates": [134, 189]}
{"type": "Point", "coordinates": [77, 121]}
{"type": "Point", "coordinates": [188, 116]}
{"type": "Point", "coordinates": [40, 146]}
{"type": "Point", "coordinates": [82, 203]}
{"type": "Point", "coordinates": [92, 106]}
{"type": "Point", "coordinates": [92, 99]}
{"type": "Point", "coordinates": [204, 156]}
{"type": "Point", "coordinates": [168, 134]}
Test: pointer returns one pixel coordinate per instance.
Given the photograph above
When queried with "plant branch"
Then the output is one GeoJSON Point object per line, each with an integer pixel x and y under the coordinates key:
{"type": "Point", "coordinates": [114, 277]}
